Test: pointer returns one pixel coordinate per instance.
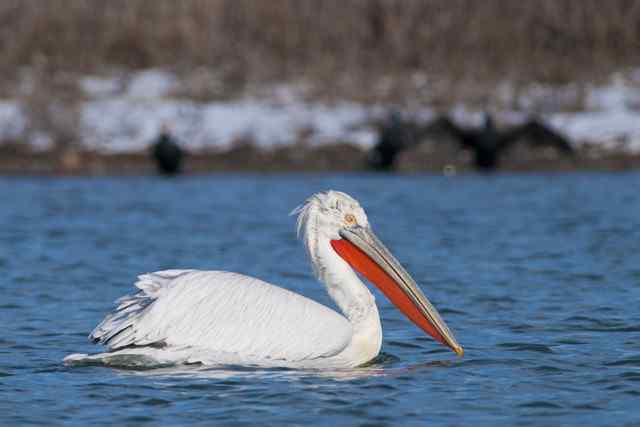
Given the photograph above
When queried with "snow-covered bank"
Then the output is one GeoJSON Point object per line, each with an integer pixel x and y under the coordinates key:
{"type": "Point", "coordinates": [125, 115]}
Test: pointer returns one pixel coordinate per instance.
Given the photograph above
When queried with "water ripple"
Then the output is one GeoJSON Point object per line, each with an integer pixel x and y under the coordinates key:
{"type": "Point", "coordinates": [537, 276]}
{"type": "Point", "coordinates": [515, 346]}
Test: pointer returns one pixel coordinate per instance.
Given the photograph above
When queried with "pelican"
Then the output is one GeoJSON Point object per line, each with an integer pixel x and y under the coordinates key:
{"type": "Point", "coordinates": [221, 318]}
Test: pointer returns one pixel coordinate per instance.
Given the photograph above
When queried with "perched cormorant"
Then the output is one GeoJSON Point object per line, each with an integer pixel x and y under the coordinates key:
{"type": "Point", "coordinates": [167, 154]}
{"type": "Point", "coordinates": [394, 136]}
{"type": "Point", "coordinates": [487, 143]}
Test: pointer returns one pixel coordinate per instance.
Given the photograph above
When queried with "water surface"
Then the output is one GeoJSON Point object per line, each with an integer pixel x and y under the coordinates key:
{"type": "Point", "coordinates": [538, 276]}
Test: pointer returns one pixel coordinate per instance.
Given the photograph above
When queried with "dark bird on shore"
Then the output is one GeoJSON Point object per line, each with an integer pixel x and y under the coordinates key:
{"type": "Point", "coordinates": [167, 154]}
{"type": "Point", "coordinates": [394, 136]}
{"type": "Point", "coordinates": [486, 142]}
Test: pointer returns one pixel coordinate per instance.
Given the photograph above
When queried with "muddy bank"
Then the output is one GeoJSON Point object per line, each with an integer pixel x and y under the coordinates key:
{"type": "Point", "coordinates": [295, 158]}
{"type": "Point", "coordinates": [336, 158]}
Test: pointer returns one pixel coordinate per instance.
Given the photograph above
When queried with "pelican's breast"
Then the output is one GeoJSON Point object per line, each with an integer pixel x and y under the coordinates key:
{"type": "Point", "coordinates": [366, 340]}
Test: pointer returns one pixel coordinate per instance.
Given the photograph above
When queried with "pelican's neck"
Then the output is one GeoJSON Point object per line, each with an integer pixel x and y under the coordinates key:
{"type": "Point", "coordinates": [343, 285]}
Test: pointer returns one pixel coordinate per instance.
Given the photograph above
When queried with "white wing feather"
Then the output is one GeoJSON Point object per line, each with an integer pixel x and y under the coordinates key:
{"type": "Point", "coordinates": [215, 311]}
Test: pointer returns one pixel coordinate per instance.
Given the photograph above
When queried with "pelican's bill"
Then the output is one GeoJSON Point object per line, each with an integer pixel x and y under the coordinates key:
{"type": "Point", "coordinates": [364, 252]}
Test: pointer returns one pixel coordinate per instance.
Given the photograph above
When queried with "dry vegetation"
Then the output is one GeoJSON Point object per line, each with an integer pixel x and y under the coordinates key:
{"type": "Point", "coordinates": [366, 50]}
{"type": "Point", "coordinates": [339, 45]}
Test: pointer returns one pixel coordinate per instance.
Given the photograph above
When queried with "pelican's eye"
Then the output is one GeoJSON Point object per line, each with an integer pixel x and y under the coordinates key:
{"type": "Point", "coordinates": [350, 219]}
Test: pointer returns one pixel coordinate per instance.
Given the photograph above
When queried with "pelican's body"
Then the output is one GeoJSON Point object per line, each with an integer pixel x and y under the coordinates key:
{"type": "Point", "coordinates": [216, 317]}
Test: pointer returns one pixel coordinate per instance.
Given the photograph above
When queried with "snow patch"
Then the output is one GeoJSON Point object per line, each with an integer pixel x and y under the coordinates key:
{"type": "Point", "coordinates": [126, 115]}
{"type": "Point", "coordinates": [99, 87]}
{"type": "Point", "coordinates": [152, 84]}
{"type": "Point", "coordinates": [12, 122]}
{"type": "Point", "coordinates": [618, 96]}
{"type": "Point", "coordinates": [121, 124]}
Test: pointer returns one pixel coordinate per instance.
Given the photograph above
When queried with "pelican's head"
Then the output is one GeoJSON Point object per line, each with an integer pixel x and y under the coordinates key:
{"type": "Point", "coordinates": [337, 219]}
{"type": "Point", "coordinates": [325, 214]}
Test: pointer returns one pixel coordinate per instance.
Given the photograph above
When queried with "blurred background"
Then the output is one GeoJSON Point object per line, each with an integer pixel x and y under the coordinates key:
{"type": "Point", "coordinates": [87, 87]}
{"type": "Point", "coordinates": [427, 112]}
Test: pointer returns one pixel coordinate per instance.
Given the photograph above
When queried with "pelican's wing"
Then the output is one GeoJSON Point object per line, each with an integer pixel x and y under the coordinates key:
{"type": "Point", "coordinates": [223, 312]}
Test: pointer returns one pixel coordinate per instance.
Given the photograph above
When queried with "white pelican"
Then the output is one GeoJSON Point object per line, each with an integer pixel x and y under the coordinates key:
{"type": "Point", "coordinates": [216, 317]}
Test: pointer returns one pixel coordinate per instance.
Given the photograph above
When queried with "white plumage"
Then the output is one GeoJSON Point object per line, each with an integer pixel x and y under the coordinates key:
{"type": "Point", "coordinates": [221, 314]}
{"type": "Point", "coordinates": [216, 317]}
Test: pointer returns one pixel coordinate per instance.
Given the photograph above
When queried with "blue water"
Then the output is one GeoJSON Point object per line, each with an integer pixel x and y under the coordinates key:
{"type": "Point", "coordinates": [538, 276]}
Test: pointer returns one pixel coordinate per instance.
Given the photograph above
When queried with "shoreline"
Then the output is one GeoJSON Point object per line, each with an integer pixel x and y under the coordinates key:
{"type": "Point", "coordinates": [330, 158]}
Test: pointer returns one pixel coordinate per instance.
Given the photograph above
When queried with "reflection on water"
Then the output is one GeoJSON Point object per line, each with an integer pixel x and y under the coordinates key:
{"type": "Point", "coordinates": [537, 275]}
{"type": "Point", "coordinates": [385, 365]}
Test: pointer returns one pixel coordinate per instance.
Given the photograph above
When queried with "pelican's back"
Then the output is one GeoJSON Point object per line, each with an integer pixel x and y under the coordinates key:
{"type": "Point", "coordinates": [219, 312]}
